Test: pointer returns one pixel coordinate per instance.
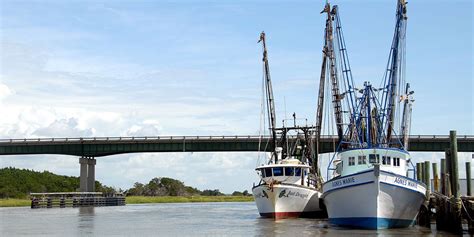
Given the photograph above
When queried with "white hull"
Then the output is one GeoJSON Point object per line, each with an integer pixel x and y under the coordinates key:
{"type": "Point", "coordinates": [373, 199]}
{"type": "Point", "coordinates": [283, 201]}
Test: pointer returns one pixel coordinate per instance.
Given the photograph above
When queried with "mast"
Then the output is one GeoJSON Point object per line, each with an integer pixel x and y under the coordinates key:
{"type": "Point", "coordinates": [405, 128]}
{"type": "Point", "coordinates": [335, 55]}
{"type": "Point", "coordinates": [319, 111]}
{"type": "Point", "coordinates": [336, 96]}
{"type": "Point", "coordinates": [269, 92]}
{"type": "Point", "coordinates": [395, 68]}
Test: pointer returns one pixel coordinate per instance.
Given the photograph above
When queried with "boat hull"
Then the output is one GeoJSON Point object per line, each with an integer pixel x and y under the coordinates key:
{"type": "Point", "coordinates": [287, 201]}
{"type": "Point", "coordinates": [373, 199]}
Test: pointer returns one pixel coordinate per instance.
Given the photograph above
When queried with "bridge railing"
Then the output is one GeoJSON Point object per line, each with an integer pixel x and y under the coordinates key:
{"type": "Point", "coordinates": [217, 138]}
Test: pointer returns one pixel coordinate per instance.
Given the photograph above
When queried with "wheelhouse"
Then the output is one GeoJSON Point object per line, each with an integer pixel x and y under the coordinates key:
{"type": "Point", "coordinates": [357, 160]}
{"type": "Point", "coordinates": [287, 173]}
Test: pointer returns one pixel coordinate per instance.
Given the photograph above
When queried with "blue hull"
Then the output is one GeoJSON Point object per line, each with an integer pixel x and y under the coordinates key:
{"type": "Point", "coordinates": [371, 222]}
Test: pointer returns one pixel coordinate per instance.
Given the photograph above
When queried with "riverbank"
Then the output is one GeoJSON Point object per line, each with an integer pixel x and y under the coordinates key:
{"type": "Point", "coordinates": [180, 199]}
{"type": "Point", "coordinates": [13, 202]}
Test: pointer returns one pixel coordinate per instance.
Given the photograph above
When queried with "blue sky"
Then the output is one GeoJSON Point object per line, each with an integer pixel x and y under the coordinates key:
{"type": "Point", "coordinates": [109, 68]}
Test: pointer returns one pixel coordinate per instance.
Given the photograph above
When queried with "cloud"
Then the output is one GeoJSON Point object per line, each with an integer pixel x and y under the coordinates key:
{"type": "Point", "coordinates": [63, 128]}
{"type": "Point", "coordinates": [5, 91]}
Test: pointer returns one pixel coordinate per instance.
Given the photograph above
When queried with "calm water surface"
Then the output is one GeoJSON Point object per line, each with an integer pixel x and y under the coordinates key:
{"type": "Point", "coordinates": [183, 219]}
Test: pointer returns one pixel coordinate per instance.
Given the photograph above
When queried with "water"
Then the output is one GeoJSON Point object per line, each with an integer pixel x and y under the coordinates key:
{"type": "Point", "coordinates": [183, 219]}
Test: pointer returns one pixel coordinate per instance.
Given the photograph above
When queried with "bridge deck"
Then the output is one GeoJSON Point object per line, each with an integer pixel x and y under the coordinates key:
{"type": "Point", "coordinates": [104, 146]}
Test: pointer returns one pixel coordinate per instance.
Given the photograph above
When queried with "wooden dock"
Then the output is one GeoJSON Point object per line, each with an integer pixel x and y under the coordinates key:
{"type": "Point", "coordinates": [75, 199]}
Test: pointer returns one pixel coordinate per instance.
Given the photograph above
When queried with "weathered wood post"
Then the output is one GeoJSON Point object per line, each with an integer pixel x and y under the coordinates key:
{"type": "Point", "coordinates": [423, 175]}
{"type": "Point", "coordinates": [470, 222]}
{"type": "Point", "coordinates": [447, 153]}
{"type": "Point", "coordinates": [455, 201]}
{"type": "Point", "coordinates": [419, 176]}
{"type": "Point", "coordinates": [443, 176]}
{"type": "Point", "coordinates": [435, 178]}
{"type": "Point", "coordinates": [454, 164]}
{"type": "Point", "coordinates": [426, 173]}
{"type": "Point", "coordinates": [468, 178]}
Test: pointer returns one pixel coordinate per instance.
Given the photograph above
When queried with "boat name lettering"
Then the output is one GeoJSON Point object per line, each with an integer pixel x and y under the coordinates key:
{"type": "Point", "coordinates": [292, 193]}
{"type": "Point", "coordinates": [405, 182]}
{"type": "Point", "coordinates": [343, 181]}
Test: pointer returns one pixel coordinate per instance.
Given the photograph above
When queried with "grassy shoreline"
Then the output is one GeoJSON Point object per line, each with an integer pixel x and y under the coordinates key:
{"type": "Point", "coordinates": [184, 199]}
{"type": "Point", "coordinates": [14, 202]}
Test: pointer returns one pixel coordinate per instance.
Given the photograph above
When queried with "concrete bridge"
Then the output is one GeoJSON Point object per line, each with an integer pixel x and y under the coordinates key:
{"type": "Point", "coordinates": [89, 148]}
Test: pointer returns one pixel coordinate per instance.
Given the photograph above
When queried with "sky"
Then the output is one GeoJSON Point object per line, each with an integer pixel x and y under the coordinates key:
{"type": "Point", "coordinates": [148, 68]}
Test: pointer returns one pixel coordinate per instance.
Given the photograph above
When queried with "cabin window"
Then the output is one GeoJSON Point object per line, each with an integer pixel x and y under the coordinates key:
{"type": "Point", "coordinates": [297, 171]}
{"type": "Point", "coordinates": [396, 161]}
{"type": "Point", "coordinates": [268, 172]}
{"type": "Point", "coordinates": [289, 171]}
{"type": "Point", "coordinates": [378, 158]}
{"type": "Point", "coordinates": [386, 160]}
{"type": "Point", "coordinates": [361, 160]}
{"type": "Point", "coordinates": [262, 172]}
{"type": "Point", "coordinates": [351, 161]}
{"type": "Point", "coordinates": [372, 158]}
{"type": "Point", "coordinates": [278, 171]}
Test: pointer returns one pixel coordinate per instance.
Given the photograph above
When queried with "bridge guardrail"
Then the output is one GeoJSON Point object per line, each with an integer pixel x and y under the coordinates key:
{"type": "Point", "coordinates": [177, 138]}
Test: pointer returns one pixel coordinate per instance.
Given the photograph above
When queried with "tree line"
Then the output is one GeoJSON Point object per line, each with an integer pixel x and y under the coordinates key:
{"type": "Point", "coordinates": [18, 183]}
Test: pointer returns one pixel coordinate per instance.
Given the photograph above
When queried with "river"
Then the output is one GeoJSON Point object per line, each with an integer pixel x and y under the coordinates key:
{"type": "Point", "coordinates": [174, 219]}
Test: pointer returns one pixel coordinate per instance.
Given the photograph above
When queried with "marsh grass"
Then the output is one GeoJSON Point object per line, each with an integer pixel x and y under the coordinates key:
{"type": "Point", "coordinates": [183, 199]}
{"type": "Point", "coordinates": [14, 202]}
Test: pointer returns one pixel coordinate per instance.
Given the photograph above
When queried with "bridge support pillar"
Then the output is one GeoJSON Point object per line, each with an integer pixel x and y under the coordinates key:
{"type": "Point", "coordinates": [87, 176]}
{"type": "Point", "coordinates": [91, 175]}
{"type": "Point", "coordinates": [83, 176]}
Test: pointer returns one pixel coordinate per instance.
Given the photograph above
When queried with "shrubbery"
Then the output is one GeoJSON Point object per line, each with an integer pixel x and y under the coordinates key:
{"type": "Point", "coordinates": [18, 183]}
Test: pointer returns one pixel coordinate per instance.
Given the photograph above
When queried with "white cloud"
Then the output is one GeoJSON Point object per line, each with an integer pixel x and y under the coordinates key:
{"type": "Point", "coordinates": [5, 91]}
{"type": "Point", "coordinates": [63, 128]}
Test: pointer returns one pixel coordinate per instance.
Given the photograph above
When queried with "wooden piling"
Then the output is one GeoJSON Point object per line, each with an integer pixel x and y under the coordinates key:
{"type": "Point", "coordinates": [419, 175]}
{"type": "Point", "coordinates": [423, 176]}
{"type": "Point", "coordinates": [435, 178]}
{"type": "Point", "coordinates": [447, 153]}
{"type": "Point", "coordinates": [454, 164]}
{"type": "Point", "coordinates": [455, 200]}
{"type": "Point", "coordinates": [443, 176]}
{"type": "Point", "coordinates": [468, 178]}
{"type": "Point", "coordinates": [426, 173]}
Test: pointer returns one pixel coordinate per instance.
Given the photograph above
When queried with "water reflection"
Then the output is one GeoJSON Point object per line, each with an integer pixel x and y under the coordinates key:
{"type": "Point", "coordinates": [184, 219]}
{"type": "Point", "coordinates": [85, 221]}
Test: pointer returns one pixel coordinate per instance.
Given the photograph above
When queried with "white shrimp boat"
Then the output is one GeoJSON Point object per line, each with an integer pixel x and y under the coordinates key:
{"type": "Point", "coordinates": [369, 187]}
{"type": "Point", "coordinates": [373, 193]}
{"type": "Point", "coordinates": [285, 191]}
{"type": "Point", "coordinates": [289, 182]}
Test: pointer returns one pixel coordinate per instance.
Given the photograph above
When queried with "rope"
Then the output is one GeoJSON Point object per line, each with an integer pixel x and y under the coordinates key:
{"type": "Point", "coordinates": [465, 210]}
